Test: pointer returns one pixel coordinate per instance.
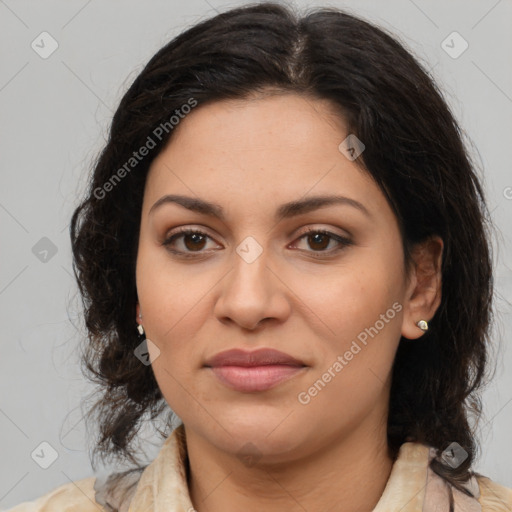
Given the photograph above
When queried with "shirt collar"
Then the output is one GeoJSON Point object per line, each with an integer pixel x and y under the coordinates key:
{"type": "Point", "coordinates": [412, 486]}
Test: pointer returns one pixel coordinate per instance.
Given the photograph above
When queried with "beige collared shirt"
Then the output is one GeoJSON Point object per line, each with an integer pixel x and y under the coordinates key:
{"type": "Point", "coordinates": [162, 487]}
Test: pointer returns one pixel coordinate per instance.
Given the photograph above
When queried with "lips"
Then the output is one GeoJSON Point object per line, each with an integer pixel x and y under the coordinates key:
{"type": "Point", "coordinates": [261, 357]}
{"type": "Point", "coordinates": [254, 371]}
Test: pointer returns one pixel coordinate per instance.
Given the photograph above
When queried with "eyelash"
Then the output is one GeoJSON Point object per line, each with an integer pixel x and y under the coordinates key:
{"type": "Point", "coordinates": [343, 241]}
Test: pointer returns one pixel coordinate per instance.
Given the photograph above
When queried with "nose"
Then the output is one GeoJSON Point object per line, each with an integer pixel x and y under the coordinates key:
{"type": "Point", "coordinates": [251, 293]}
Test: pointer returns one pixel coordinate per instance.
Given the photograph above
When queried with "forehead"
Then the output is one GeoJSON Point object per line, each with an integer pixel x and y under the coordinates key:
{"type": "Point", "coordinates": [277, 148]}
{"type": "Point", "coordinates": [257, 123]}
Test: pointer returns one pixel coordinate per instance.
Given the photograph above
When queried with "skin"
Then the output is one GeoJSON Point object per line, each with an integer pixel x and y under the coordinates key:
{"type": "Point", "coordinates": [250, 157]}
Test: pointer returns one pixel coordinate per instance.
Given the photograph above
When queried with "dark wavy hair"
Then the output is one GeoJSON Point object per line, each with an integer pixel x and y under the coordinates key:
{"type": "Point", "coordinates": [415, 151]}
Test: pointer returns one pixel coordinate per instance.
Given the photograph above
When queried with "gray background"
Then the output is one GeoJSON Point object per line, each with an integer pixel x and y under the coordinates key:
{"type": "Point", "coordinates": [54, 115]}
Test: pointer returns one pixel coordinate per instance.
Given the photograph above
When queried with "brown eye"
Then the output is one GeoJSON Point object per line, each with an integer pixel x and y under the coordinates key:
{"type": "Point", "coordinates": [318, 240]}
{"type": "Point", "coordinates": [189, 243]}
{"type": "Point", "coordinates": [192, 241]}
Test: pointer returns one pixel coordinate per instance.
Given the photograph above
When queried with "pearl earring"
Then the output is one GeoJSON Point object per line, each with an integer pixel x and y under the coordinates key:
{"type": "Point", "coordinates": [140, 328]}
{"type": "Point", "coordinates": [423, 325]}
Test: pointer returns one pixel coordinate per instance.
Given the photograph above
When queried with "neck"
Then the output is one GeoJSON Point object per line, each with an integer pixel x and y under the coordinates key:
{"type": "Point", "coordinates": [352, 471]}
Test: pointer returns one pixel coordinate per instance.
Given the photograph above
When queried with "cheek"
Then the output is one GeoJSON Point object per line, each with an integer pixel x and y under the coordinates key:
{"type": "Point", "coordinates": [170, 305]}
{"type": "Point", "coordinates": [350, 381]}
{"type": "Point", "coordinates": [344, 301]}
{"type": "Point", "coordinates": [358, 314]}
{"type": "Point", "coordinates": [170, 296]}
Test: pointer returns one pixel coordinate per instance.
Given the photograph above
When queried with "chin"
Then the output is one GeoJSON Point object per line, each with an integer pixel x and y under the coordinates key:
{"type": "Point", "coordinates": [257, 436]}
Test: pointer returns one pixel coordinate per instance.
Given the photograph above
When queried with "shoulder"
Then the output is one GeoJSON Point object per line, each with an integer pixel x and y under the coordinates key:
{"type": "Point", "coordinates": [75, 496]}
{"type": "Point", "coordinates": [493, 496]}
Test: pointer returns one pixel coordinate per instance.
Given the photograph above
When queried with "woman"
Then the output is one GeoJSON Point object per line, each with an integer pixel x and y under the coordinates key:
{"type": "Point", "coordinates": [287, 211]}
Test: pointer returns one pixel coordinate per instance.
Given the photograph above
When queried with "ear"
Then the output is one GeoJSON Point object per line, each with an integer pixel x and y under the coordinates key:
{"type": "Point", "coordinates": [423, 294]}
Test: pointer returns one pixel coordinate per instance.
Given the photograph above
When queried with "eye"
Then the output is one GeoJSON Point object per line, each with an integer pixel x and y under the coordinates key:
{"type": "Point", "coordinates": [193, 240]}
{"type": "Point", "coordinates": [319, 240]}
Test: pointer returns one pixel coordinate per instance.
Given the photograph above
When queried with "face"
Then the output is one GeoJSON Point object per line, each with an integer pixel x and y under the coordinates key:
{"type": "Point", "coordinates": [322, 283]}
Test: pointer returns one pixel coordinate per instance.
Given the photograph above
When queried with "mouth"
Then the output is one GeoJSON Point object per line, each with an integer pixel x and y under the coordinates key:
{"type": "Point", "coordinates": [254, 371]}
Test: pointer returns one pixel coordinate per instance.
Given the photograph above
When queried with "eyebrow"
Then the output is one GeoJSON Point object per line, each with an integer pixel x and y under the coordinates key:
{"type": "Point", "coordinates": [285, 211]}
